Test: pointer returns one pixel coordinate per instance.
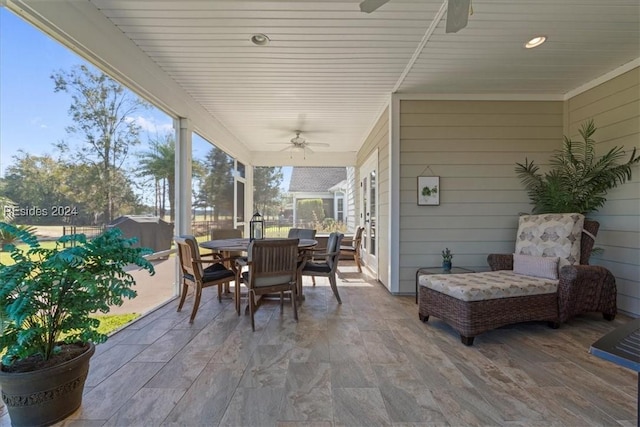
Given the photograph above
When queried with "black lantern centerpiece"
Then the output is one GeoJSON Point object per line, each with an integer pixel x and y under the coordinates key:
{"type": "Point", "coordinates": [256, 227]}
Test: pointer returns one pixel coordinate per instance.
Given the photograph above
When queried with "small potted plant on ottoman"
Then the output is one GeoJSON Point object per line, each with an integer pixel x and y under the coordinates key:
{"type": "Point", "coordinates": [47, 296]}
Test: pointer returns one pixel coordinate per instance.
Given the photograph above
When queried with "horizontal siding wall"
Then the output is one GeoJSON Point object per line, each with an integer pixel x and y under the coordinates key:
{"type": "Point", "coordinates": [378, 139]}
{"type": "Point", "coordinates": [473, 147]}
{"type": "Point", "coordinates": [615, 108]}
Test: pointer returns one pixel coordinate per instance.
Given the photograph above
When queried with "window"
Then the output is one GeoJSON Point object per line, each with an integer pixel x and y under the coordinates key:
{"type": "Point", "coordinates": [213, 187]}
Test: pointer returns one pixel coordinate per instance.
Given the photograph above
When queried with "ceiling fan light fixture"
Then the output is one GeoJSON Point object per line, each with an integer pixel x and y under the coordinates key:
{"type": "Point", "coordinates": [260, 39]}
{"type": "Point", "coordinates": [298, 140]}
{"type": "Point", "coordinates": [535, 42]}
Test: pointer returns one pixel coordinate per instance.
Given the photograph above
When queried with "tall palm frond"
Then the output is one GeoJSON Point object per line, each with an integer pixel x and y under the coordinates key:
{"type": "Point", "coordinates": [578, 181]}
{"type": "Point", "coordinates": [159, 163]}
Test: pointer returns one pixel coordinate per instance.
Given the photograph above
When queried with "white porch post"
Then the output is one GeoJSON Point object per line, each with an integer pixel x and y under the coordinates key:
{"type": "Point", "coordinates": [394, 190]}
{"type": "Point", "coordinates": [248, 198]}
{"type": "Point", "coordinates": [295, 213]}
{"type": "Point", "coordinates": [182, 204]}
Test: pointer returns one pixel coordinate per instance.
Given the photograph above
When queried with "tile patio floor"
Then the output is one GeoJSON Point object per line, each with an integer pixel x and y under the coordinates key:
{"type": "Point", "coordinates": [367, 362]}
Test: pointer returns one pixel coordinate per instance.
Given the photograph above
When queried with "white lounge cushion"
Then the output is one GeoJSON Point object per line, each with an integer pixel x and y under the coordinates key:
{"type": "Point", "coordinates": [537, 266]}
{"type": "Point", "coordinates": [488, 285]}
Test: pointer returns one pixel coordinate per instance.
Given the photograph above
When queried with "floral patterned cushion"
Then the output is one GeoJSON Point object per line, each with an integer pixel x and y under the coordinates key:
{"type": "Point", "coordinates": [488, 285]}
{"type": "Point", "coordinates": [551, 235]}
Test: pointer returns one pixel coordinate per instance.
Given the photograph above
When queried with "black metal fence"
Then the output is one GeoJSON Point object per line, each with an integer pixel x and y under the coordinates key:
{"type": "Point", "coordinates": [90, 231]}
{"type": "Point", "coordinates": [273, 228]}
{"type": "Point", "coordinates": [203, 228]}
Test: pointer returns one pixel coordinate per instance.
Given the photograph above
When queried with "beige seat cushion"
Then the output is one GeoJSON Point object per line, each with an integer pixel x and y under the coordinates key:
{"type": "Point", "coordinates": [488, 285]}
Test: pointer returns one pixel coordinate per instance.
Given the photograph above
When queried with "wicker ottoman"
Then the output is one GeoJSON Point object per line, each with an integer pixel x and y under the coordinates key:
{"type": "Point", "coordinates": [478, 302]}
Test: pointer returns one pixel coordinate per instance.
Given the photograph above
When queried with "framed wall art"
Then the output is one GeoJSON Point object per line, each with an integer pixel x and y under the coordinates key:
{"type": "Point", "coordinates": [428, 190]}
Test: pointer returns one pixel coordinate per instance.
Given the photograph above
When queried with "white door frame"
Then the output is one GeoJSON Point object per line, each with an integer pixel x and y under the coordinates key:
{"type": "Point", "coordinates": [369, 212]}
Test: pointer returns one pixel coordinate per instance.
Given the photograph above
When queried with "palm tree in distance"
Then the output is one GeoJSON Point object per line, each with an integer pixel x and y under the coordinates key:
{"type": "Point", "coordinates": [159, 162]}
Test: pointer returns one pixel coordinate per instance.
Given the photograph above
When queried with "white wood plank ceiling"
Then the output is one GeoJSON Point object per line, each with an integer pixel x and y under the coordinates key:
{"type": "Point", "coordinates": [329, 69]}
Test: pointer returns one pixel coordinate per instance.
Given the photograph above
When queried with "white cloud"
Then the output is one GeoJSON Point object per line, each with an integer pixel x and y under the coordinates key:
{"type": "Point", "coordinates": [38, 122]}
{"type": "Point", "coordinates": [150, 125]}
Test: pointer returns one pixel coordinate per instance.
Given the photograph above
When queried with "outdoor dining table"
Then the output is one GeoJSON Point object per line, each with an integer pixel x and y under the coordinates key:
{"type": "Point", "coordinates": [225, 246]}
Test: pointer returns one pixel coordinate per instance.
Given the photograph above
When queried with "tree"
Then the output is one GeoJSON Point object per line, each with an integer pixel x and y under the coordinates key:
{"type": "Point", "coordinates": [310, 211]}
{"type": "Point", "coordinates": [58, 187]}
{"type": "Point", "coordinates": [218, 184]}
{"type": "Point", "coordinates": [266, 187]}
{"type": "Point", "coordinates": [160, 163]}
{"type": "Point", "coordinates": [38, 183]}
{"type": "Point", "coordinates": [84, 184]}
{"type": "Point", "coordinates": [198, 175]}
{"type": "Point", "coordinates": [102, 111]}
{"type": "Point", "coordinates": [578, 181]}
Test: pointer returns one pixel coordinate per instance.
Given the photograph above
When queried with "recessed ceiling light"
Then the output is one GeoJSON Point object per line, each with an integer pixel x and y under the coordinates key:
{"type": "Point", "coordinates": [260, 39]}
{"type": "Point", "coordinates": [535, 42]}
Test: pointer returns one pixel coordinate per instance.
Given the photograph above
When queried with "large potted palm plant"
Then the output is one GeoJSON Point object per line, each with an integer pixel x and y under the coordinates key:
{"type": "Point", "coordinates": [578, 180]}
{"type": "Point", "coordinates": [47, 299]}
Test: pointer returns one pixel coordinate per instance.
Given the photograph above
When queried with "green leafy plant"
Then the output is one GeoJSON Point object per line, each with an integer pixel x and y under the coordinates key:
{"type": "Point", "coordinates": [49, 296]}
{"type": "Point", "coordinates": [310, 210]}
{"type": "Point", "coordinates": [578, 180]}
{"type": "Point", "coordinates": [428, 192]}
{"type": "Point", "coordinates": [447, 255]}
{"type": "Point", "coordinates": [7, 237]}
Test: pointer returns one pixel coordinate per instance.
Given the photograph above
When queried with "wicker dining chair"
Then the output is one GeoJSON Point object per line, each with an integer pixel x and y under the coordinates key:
{"type": "Point", "coordinates": [272, 267]}
{"type": "Point", "coordinates": [194, 274]}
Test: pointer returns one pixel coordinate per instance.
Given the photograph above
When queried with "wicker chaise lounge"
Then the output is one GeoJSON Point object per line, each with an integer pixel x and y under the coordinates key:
{"type": "Point", "coordinates": [504, 297]}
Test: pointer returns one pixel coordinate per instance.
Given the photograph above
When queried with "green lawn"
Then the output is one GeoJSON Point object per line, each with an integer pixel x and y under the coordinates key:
{"type": "Point", "coordinates": [111, 322]}
{"type": "Point", "coordinates": [5, 257]}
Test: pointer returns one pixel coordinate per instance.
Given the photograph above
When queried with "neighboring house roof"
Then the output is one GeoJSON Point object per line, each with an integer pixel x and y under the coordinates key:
{"type": "Point", "coordinates": [308, 180]}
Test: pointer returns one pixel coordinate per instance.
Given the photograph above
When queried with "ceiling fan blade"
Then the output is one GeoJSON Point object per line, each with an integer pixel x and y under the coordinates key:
{"type": "Point", "coordinates": [457, 15]}
{"type": "Point", "coordinates": [307, 148]}
{"type": "Point", "coordinates": [368, 6]}
{"type": "Point", "coordinates": [318, 144]}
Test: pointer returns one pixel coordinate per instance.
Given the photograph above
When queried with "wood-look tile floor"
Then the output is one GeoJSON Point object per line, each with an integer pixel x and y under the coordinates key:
{"type": "Point", "coordinates": [367, 362]}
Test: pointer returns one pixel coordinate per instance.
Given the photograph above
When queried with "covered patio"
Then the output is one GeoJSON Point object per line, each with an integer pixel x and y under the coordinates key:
{"type": "Point", "coordinates": [367, 362]}
{"type": "Point", "coordinates": [389, 94]}
{"type": "Point", "coordinates": [395, 98]}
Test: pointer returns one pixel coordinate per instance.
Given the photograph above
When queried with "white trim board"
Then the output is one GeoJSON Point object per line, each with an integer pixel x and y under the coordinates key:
{"type": "Point", "coordinates": [604, 78]}
{"type": "Point", "coordinates": [524, 96]}
{"type": "Point", "coordinates": [477, 97]}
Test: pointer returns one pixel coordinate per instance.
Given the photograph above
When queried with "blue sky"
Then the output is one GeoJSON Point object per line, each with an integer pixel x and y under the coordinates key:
{"type": "Point", "coordinates": [32, 116]}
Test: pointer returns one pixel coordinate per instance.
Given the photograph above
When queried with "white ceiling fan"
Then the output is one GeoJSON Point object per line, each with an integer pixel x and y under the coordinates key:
{"type": "Point", "coordinates": [458, 12]}
{"type": "Point", "coordinates": [300, 143]}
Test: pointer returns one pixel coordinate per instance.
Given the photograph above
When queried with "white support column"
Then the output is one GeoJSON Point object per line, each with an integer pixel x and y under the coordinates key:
{"type": "Point", "coordinates": [295, 211]}
{"type": "Point", "coordinates": [394, 190]}
{"type": "Point", "coordinates": [182, 204]}
{"type": "Point", "coordinates": [248, 198]}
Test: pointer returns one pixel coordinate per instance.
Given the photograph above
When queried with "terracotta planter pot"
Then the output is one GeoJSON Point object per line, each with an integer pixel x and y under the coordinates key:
{"type": "Point", "coordinates": [46, 396]}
